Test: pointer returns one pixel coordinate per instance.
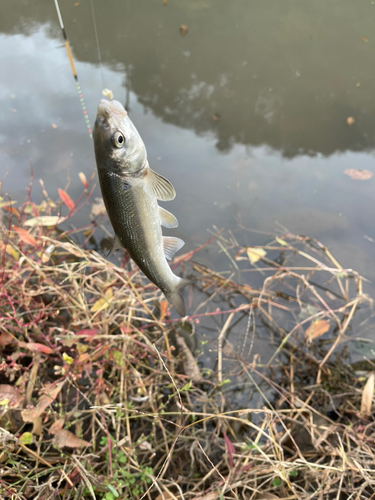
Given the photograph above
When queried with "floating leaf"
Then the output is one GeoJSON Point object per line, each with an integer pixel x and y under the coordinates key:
{"type": "Point", "coordinates": [53, 125]}
{"type": "Point", "coordinates": [104, 302]}
{"type": "Point", "coordinates": [350, 120]}
{"type": "Point", "coordinates": [44, 220]}
{"type": "Point", "coordinates": [26, 438]}
{"type": "Point", "coordinates": [51, 391]}
{"type": "Point", "coordinates": [367, 396]}
{"type": "Point", "coordinates": [66, 438]}
{"type": "Point", "coordinates": [66, 199]}
{"type": "Point", "coordinates": [358, 175]}
{"type": "Point", "coordinates": [183, 29]}
{"type": "Point", "coordinates": [25, 236]}
{"type": "Point", "coordinates": [316, 329]}
{"type": "Point", "coordinates": [255, 254]}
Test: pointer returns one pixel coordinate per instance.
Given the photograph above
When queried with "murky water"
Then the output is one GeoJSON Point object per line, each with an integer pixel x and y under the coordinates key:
{"type": "Point", "coordinates": [246, 114]}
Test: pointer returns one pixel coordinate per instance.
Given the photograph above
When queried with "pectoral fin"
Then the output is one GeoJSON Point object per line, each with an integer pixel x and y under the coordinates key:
{"type": "Point", "coordinates": [158, 186]}
{"type": "Point", "coordinates": [167, 219]}
{"type": "Point", "coordinates": [171, 246]}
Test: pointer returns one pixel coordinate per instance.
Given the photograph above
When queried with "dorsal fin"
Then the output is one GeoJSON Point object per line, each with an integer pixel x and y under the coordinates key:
{"type": "Point", "coordinates": [167, 219]}
{"type": "Point", "coordinates": [171, 245]}
{"type": "Point", "coordinates": [158, 186]}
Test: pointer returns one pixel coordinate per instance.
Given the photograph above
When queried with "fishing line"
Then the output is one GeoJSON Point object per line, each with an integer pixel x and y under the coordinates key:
{"type": "Point", "coordinates": [70, 57]}
{"type": "Point", "coordinates": [97, 40]}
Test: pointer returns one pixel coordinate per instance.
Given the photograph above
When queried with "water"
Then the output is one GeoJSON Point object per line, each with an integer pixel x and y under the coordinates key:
{"type": "Point", "coordinates": [246, 114]}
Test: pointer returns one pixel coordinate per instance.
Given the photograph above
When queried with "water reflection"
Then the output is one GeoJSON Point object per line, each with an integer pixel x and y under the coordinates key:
{"type": "Point", "coordinates": [281, 74]}
{"type": "Point", "coordinates": [270, 84]}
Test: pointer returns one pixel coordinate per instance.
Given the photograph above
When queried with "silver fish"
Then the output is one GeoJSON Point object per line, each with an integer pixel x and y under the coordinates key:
{"type": "Point", "coordinates": [130, 192]}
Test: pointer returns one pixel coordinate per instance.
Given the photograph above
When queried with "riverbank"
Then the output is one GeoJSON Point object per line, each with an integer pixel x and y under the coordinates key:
{"type": "Point", "coordinates": [106, 394]}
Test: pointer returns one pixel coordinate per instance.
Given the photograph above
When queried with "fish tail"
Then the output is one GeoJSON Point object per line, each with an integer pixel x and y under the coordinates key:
{"type": "Point", "coordinates": [175, 297]}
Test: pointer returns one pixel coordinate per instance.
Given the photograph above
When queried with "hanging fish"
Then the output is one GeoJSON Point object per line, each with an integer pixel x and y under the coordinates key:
{"type": "Point", "coordinates": [130, 192]}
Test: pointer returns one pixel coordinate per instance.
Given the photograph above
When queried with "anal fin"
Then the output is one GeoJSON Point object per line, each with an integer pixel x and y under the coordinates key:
{"type": "Point", "coordinates": [171, 245]}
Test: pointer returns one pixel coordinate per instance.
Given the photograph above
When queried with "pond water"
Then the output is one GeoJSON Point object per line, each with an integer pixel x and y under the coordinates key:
{"type": "Point", "coordinates": [246, 114]}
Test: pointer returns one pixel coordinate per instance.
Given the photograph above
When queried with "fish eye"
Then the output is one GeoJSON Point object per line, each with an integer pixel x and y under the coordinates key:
{"type": "Point", "coordinates": [118, 140]}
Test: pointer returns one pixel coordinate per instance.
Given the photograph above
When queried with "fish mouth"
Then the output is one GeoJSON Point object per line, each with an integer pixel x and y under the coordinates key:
{"type": "Point", "coordinates": [111, 112]}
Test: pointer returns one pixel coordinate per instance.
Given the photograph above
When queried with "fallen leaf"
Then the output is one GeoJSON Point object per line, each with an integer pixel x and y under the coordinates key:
{"type": "Point", "coordinates": [165, 2]}
{"type": "Point", "coordinates": [167, 496]}
{"type": "Point", "coordinates": [88, 333]}
{"type": "Point", "coordinates": [191, 367]}
{"type": "Point", "coordinates": [10, 395]}
{"type": "Point", "coordinates": [183, 29]}
{"type": "Point", "coordinates": [6, 338]}
{"type": "Point", "coordinates": [53, 125]}
{"type": "Point", "coordinates": [230, 449]}
{"type": "Point", "coordinates": [316, 329]}
{"type": "Point", "coordinates": [51, 392]}
{"type": "Point", "coordinates": [358, 175]}
{"type": "Point", "coordinates": [76, 4]}
{"type": "Point", "coordinates": [26, 438]}
{"type": "Point", "coordinates": [266, 496]}
{"type": "Point", "coordinates": [83, 179]}
{"type": "Point", "coordinates": [37, 426]}
{"type": "Point", "coordinates": [255, 254]}
{"type": "Point", "coordinates": [36, 347]}
{"type": "Point", "coordinates": [98, 208]}
{"type": "Point", "coordinates": [104, 302]}
{"type": "Point", "coordinates": [145, 445]}
{"type": "Point", "coordinates": [367, 396]}
{"type": "Point", "coordinates": [163, 309]}
{"type": "Point", "coordinates": [57, 426]}
{"type": "Point", "coordinates": [66, 199]}
{"type": "Point", "coordinates": [350, 120]}
{"type": "Point", "coordinates": [364, 39]}
{"type": "Point", "coordinates": [25, 236]}
{"type": "Point", "coordinates": [44, 220]}
{"type": "Point", "coordinates": [213, 495]}
{"type": "Point", "coordinates": [66, 438]}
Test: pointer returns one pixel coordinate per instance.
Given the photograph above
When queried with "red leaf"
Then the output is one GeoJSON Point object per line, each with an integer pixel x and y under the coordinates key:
{"type": "Point", "coordinates": [13, 210]}
{"type": "Point", "coordinates": [25, 236]}
{"type": "Point", "coordinates": [88, 333]}
{"type": "Point", "coordinates": [35, 347]}
{"type": "Point", "coordinates": [230, 449]}
{"type": "Point", "coordinates": [66, 199]}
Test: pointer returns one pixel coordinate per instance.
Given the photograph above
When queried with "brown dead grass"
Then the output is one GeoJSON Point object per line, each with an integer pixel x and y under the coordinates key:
{"type": "Point", "coordinates": [97, 401]}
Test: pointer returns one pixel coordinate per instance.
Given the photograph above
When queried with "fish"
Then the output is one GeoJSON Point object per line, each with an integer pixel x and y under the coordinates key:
{"type": "Point", "coordinates": [131, 190]}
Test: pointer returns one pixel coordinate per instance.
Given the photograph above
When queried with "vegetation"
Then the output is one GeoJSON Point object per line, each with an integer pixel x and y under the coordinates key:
{"type": "Point", "coordinates": [103, 396]}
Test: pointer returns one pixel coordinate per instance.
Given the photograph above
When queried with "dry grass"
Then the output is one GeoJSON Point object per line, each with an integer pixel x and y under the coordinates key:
{"type": "Point", "coordinates": [99, 400]}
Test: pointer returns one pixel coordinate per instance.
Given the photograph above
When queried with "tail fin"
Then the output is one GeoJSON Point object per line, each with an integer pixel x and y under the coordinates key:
{"type": "Point", "coordinates": [176, 299]}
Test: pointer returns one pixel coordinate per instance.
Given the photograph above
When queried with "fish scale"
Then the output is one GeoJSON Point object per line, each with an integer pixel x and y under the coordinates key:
{"type": "Point", "coordinates": [136, 232]}
{"type": "Point", "coordinates": [131, 190]}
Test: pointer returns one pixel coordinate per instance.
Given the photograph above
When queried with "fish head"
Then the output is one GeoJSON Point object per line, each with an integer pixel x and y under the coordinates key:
{"type": "Point", "coordinates": [118, 145]}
